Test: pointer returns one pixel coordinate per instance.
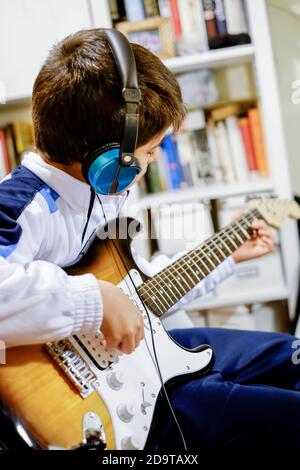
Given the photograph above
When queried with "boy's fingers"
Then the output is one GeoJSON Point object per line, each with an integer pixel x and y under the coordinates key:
{"type": "Point", "coordinates": [127, 345]}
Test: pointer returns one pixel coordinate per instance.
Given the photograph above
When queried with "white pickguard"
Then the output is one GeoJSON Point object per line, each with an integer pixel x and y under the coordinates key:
{"type": "Point", "coordinates": [142, 382]}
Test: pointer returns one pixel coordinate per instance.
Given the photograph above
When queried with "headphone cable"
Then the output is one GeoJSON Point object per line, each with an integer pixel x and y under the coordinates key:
{"type": "Point", "coordinates": [152, 339]}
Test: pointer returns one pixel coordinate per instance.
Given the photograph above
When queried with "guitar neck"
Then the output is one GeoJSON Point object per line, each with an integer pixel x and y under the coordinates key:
{"type": "Point", "coordinates": [166, 288]}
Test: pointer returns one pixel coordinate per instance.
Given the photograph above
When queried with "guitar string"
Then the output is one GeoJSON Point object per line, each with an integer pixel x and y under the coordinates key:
{"type": "Point", "coordinates": [150, 285]}
{"type": "Point", "coordinates": [157, 366]}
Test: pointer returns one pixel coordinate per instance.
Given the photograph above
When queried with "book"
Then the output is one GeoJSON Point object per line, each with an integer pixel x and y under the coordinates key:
{"type": "Point", "coordinates": [248, 143]}
{"type": "Point", "coordinates": [215, 161]}
{"type": "Point", "coordinates": [258, 141]}
{"type": "Point", "coordinates": [164, 8]}
{"type": "Point", "coordinates": [152, 178]}
{"type": "Point", "coordinates": [210, 18]}
{"type": "Point", "coordinates": [175, 19]}
{"type": "Point", "coordinates": [11, 146]}
{"type": "Point", "coordinates": [4, 161]}
{"type": "Point", "coordinates": [194, 38]}
{"type": "Point", "coordinates": [151, 8]}
{"type": "Point", "coordinates": [220, 17]}
{"type": "Point", "coordinates": [135, 10]}
{"type": "Point", "coordinates": [202, 156]}
{"type": "Point", "coordinates": [235, 16]}
{"type": "Point", "coordinates": [114, 11]}
{"type": "Point", "coordinates": [23, 134]}
{"type": "Point", "coordinates": [224, 152]}
{"type": "Point", "coordinates": [237, 147]}
{"type": "Point", "coordinates": [173, 164]}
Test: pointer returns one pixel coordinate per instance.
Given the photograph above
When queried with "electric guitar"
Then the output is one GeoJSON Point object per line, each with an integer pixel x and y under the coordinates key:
{"type": "Point", "coordinates": [72, 393]}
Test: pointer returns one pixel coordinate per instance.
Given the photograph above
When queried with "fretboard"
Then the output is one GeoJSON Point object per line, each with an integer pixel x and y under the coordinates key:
{"type": "Point", "coordinates": [166, 288]}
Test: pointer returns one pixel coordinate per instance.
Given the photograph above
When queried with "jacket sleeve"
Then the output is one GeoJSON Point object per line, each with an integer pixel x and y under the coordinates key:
{"type": "Point", "coordinates": [39, 302]}
{"type": "Point", "coordinates": [222, 272]}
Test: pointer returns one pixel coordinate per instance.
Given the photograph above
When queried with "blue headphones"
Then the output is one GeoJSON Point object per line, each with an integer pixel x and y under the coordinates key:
{"type": "Point", "coordinates": [112, 168]}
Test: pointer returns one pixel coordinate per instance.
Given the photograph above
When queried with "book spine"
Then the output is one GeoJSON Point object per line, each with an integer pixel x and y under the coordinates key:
{"type": "Point", "coordinates": [172, 161]}
{"type": "Point", "coordinates": [210, 18]}
{"type": "Point", "coordinates": [113, 7]}
{"type": "Point", "coordinates": [193, 23]}
{"type": "Point", "coordinates": [258, 140]}
{"type": "Point", "coordinates": [248, 143]}
{"type": "Point", "coordinates": [237, 149]}
{"type": "Point", "coordinates": [7, 167]}
{"type": "Point", "coordinates": [220, 17]}
{"type": "Point", "coordinates": [134, 10]}
{"type": "Point", "coordinates": [151, 8]}
{"type": "Point", "coordinates": [175, 18]}
{"type": "Point", "coordinates": [153, 178]}
{"type": "Point", "coordinates": [235, 16]}
{"type": "Point", "coordinates": [164, 8]}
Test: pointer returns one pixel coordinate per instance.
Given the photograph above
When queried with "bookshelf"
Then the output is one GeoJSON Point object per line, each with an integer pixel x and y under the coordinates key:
{"type": "Point", "coordinates": [259, 54]}
{"type": "Point", "coordinates": [211, 59]}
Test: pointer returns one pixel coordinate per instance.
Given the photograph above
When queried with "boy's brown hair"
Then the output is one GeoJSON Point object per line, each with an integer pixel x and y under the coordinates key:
{"type": "Point", "coordinates": [77, 102]}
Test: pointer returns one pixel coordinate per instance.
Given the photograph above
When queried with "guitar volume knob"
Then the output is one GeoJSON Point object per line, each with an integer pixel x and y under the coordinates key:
{"type": "Point", "coordinates": [126, 412]}
{"type": "Point", "coordinates": [116, 380]}
{"type": "Point", "coordinates": [130, 443]}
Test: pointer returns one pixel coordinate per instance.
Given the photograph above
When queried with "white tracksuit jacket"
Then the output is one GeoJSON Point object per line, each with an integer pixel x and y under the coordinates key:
{"type": "Point", "coordinates": [43, 212]}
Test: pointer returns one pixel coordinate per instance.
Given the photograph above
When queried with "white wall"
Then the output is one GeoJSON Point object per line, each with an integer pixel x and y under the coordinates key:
{"type": "Point", "coordinates": [285, 30]}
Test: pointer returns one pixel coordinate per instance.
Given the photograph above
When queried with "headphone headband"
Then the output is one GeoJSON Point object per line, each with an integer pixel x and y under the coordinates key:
{"type": "Point", "coordinates": [125, 61]}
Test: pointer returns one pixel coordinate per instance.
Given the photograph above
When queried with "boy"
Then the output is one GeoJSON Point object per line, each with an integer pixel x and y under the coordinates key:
{"type": "Point", "coordinates": [77, 107]}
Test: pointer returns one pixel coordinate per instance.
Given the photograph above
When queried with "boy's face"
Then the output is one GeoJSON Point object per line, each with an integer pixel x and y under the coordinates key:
{"type": "Point", "coordinates": [147, 154]}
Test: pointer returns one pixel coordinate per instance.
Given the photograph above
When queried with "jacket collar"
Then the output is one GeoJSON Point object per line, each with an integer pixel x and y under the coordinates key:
{"type": "Point", "coordinates": [75, 192]}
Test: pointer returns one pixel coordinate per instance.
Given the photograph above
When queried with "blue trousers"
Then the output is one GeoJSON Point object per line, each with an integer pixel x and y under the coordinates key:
{"type": "Point", "coordinates": [250, 398]}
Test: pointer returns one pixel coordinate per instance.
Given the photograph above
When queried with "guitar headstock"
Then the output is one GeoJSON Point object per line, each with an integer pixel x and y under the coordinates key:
{"type": "Point", "coordinates": [275, 211]}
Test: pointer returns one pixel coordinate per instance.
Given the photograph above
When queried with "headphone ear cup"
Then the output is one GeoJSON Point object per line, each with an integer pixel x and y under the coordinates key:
{"type": "Point", "coordinates": [102, 170]}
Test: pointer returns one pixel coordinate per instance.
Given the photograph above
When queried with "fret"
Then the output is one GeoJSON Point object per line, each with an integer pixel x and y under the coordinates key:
{"type": "Point", "coordinates": [189, 262]}
{"type": "Point", "coordinates": [236, 234]}
{"type": "Point", "coordinates": [182, 277]}
{"type": "Point", "coordinates": [160, 292]}
{"type": "Point", "coordinates": [224, 256]}
{"type": "Point", "coordinates": [192, 281]}
{"type": "Point", "coordinates": [171, 287]}
{"type": "Point", "coordinates": [156, 294]}
{"type": "Point", "coordinates": [208, 257]}
{"type": "Point", "coordinates": [240, 224]}
{"type": "Point", "coordinates": [165, 286]}
{"type": "Point", "coordinates": [203, 265]}
{"type": "Point", "coordinates": [152, 300]}
{"type": "Point", "coordinates": [212, 242]}
{"type": "Point", "coordinates": [197, 271]}
{"type": "Point", "coordinates": [179, 294]}
{"type": "Point", "coordinates": [177, 281]}
{"type": "Point", "coordinates": [224, 244]}
{"type": "Point", "coordinates": [231, 241]}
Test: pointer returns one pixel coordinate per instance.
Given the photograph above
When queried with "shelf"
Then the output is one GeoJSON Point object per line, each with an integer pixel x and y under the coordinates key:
{"type": "Point", "coordinates": [213, 191]}
{"type": "Point", "coordinates": [211, 59]}
{"type": "Point", "coordinates": [250, 297]}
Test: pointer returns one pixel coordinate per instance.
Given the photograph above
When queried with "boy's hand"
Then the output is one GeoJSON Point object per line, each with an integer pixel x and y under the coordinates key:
{"type": "Point", "coordinates": [261, 243]}
{"type": "Point", "coordinates": [122, 324]}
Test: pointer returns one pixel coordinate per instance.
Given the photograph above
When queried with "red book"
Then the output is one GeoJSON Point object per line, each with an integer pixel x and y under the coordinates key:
{"type": "Point", "coordinates": [210, 18]}
{"type": "Point", "coordinates": [175, 18]}
{"type": "Point", "coordinates": [4, 152]}
{"type": "Point", "coordinates": [248, 143]}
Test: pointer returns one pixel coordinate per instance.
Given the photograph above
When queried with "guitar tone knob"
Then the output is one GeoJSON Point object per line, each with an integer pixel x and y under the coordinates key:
{"type": "Point", "coordinates": [126, 412]}
{"type": "Point", "coordinates": [131, 443]}
{"type": "Point", "coordinates": [116, 380]}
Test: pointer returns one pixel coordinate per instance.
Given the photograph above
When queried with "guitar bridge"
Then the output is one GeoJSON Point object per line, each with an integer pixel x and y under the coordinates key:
{"type": "Point", "coordinates": [76, 369]}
